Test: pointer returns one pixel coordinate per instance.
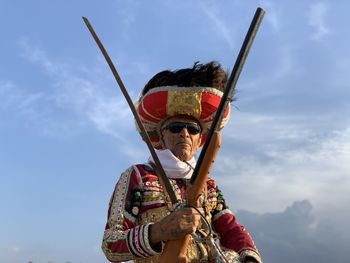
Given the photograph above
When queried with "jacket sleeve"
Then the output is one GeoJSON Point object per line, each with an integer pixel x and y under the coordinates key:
{"type": "Point", "coordinates": [233, 236]}
{"type": "Point", "coordinates": [123, 240]}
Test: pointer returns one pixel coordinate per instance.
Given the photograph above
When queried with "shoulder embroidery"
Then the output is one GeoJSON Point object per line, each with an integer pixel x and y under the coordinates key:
{"type": "Point", "coordinates": [117, 216]}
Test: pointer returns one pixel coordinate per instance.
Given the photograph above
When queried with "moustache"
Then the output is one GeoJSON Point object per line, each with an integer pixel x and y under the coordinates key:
{"type": "Point", "coordinates": [183, 142]}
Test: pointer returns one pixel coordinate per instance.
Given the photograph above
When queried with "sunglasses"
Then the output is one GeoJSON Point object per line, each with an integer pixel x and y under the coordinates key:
{"type": "Point", "coordinates": [176, 127]}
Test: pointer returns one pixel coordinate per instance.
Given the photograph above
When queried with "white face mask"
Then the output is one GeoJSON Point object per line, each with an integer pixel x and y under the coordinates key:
{"type": "Point", "coordinates": [173, 167]}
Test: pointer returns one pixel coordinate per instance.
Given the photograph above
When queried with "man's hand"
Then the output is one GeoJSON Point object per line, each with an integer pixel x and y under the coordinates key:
{"type": "Point", "coordinates": [176, 225]}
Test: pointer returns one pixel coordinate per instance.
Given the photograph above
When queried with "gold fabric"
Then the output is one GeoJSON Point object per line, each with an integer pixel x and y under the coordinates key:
{"type": "Point", "coordinates": [196, 252]}
{"type": "Point", "coordinates": [183, 102]}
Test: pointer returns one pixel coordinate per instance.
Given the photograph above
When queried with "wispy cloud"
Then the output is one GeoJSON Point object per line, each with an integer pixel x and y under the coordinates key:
{"type": "Point", "coordinates": [316, 17]}
{"type": "Point", "coordinates": [86, 100]}
{"type": "Point", "coordinates": [272, 15]}
{"type": "Point", "coordinates": [38, 56]}
{"type": "Point", "coordinates": [8, 95]}
{"type": "Point", "coordinates": [126, 13]}
{"type": "Point", "coordinates": [213, 13]}
{"type": "Point", "coordinates": [18, 100]}
{"type": "Point", "coordinates": [74, 94]}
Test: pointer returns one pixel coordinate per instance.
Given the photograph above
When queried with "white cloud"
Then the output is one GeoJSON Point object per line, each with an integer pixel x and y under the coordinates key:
{"type": "Point", "coordinates": [316, 18]}
{"type": "Point", "coordinates": [279, 162]}
{"type": "Point", "coordinates": [263, 127]}
{"type": "Point", "coordinates": [11, 249]}
{"type": "Point", "coordinates": [279, 235]}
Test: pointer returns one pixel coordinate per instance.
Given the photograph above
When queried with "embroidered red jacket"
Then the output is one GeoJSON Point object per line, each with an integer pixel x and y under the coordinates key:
{"type": "Point", "coordinates": [139, 190]}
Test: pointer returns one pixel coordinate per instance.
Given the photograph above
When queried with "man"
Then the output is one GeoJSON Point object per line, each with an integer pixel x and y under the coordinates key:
{"type": "Point", "coordinates": [176, 108]}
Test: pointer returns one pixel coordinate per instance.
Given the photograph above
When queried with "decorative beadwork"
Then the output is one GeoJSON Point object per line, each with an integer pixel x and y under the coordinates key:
{"type": "Point", "coordinates": [139, 201]}
{"type": "Point", "coordinates": [146, 241]}
{"type": "Point", "coordinates": [248, 252]}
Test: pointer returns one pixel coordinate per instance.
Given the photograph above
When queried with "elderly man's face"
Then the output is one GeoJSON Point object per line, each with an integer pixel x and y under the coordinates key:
{"type": "Point", "coordinates": [182, 136]}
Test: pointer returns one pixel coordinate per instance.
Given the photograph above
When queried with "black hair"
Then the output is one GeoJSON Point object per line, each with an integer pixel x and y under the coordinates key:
{"type": "Point", "coordinates": [200, 75]}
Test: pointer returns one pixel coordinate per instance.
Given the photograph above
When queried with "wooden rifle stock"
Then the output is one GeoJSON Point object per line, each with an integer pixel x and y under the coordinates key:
{"type": "Point", "coordinates": [175, 251]}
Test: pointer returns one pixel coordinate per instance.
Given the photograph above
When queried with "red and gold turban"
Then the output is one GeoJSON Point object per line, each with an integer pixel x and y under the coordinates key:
{"type": "Point", "coordinates": [161, 103]}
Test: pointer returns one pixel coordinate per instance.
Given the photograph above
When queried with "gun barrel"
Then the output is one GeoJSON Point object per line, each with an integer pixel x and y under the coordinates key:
{"type": "Point", "coordinates": [227, 97]}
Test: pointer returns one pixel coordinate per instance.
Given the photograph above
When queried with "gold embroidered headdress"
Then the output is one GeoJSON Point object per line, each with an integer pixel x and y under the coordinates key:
{"type": "Point", "coordinates": [159, 103]}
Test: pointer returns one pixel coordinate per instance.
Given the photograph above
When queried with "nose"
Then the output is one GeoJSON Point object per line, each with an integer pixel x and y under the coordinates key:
{"type": "Point", "coordinates": [184, 132]}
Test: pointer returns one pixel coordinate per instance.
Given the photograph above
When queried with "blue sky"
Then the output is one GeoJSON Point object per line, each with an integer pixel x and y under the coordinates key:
{"type": "Point", "coordinates": [66, 133]}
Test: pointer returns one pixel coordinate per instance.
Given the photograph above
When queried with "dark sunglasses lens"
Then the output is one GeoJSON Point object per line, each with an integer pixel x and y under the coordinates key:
{"type": "Point", "coordinates": [177, 127]}
{"type": "Point", "coordinates": [193, 129]}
